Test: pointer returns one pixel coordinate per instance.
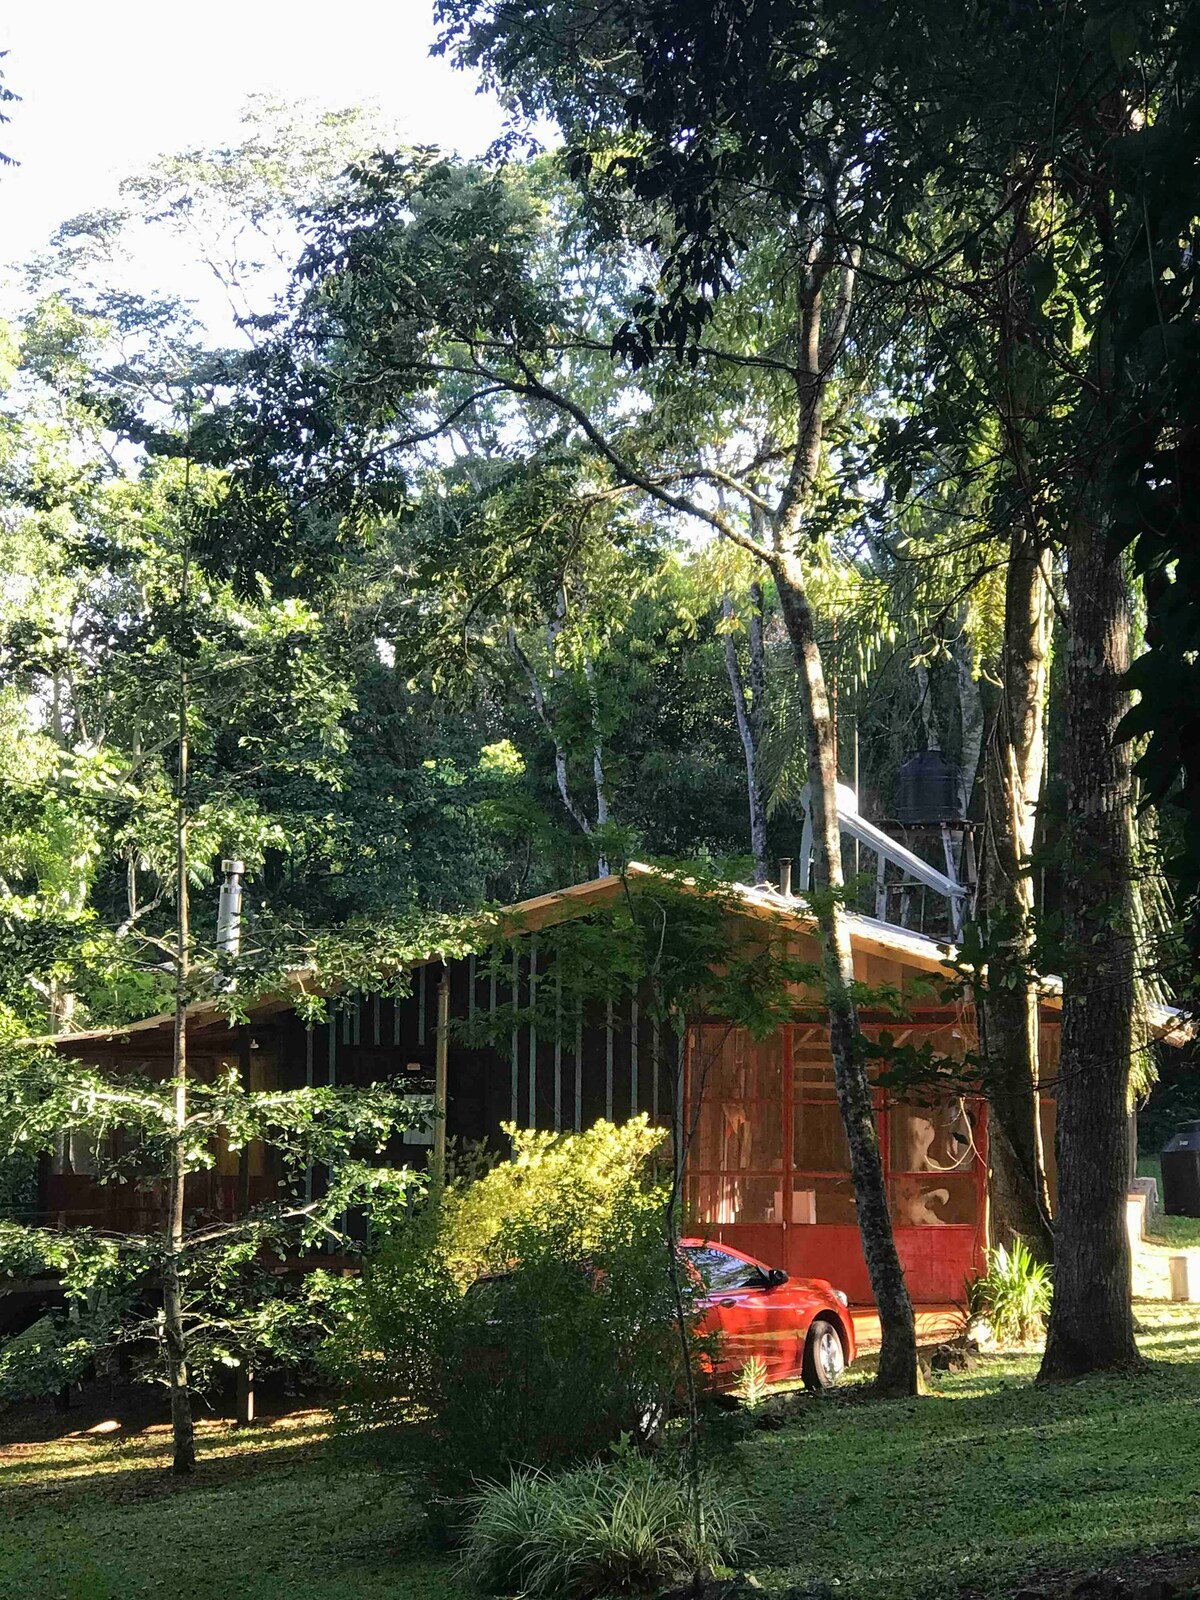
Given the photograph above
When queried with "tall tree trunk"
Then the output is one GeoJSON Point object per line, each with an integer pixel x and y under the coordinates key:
{"type": "Point", "coordinates": [926, 704]}
{"type": "Point", "coordinates": [561, 768]}
{"type": "Point", "coordinates": [899, 1368]}
{"type": "Point", "coordinates": [1091, 1321]}
{"type": "Point", "coordinates": [1020, 1201]}
{"type": "Point", "coordinates": [748, 713]}
{"type": "Point", "coordinates": [182, 1431]}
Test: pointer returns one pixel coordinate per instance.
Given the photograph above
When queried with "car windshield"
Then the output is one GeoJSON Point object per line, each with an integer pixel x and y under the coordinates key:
{"type": "Point", "coordinates": [720, 1270]}
{"type": "Point", "coordinates": [491, 1289]}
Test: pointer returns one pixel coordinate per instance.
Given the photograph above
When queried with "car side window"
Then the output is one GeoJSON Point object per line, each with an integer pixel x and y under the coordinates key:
{"type": "Point", "coordinates": [723, 1271]}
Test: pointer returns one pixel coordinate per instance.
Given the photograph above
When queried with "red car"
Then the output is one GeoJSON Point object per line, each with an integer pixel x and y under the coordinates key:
{"type": "Point", "coordinates": [797, 1327]}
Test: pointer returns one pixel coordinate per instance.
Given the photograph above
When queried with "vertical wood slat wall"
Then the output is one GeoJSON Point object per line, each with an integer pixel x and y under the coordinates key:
{"type": "Point", "coordinates": [602, 1062]}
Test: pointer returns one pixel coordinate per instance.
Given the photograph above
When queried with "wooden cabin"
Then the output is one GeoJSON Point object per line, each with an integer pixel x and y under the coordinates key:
{"type": "Point", "coordinates": [767, 1165]}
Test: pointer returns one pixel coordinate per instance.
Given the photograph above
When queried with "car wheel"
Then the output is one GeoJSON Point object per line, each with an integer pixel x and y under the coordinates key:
{"type": "Point", "coordinates": [824, 1357]}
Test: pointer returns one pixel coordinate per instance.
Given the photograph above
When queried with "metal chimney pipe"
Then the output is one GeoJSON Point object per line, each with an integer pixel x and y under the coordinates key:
{"type": "Point", "coordinates": [229, 909]}
{"type": "Point", "coordinates": [785, 877]}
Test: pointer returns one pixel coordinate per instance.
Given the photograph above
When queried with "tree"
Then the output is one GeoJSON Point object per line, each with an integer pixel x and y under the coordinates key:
{"type": "Point", "coordinates": [198, 1287]}
{"type": "Point", "coordinates": [944, 160]}
{"type": "Point", "coordinates": [477, 305]}
{"type": "Point", "coordinates": [1009, 1001]}
{"type": "Point", "coordinates": [697, 198]}
{"type": "Point", "coordinates": [160, 677]}
{"type": "Point", "coordinates": [749, 691]}
{"type": "Point", "coordinates": [7, 96]}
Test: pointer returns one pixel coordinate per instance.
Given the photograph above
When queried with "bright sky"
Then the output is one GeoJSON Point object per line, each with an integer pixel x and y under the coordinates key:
{"type": "Point", "coordinates": [107, 87]}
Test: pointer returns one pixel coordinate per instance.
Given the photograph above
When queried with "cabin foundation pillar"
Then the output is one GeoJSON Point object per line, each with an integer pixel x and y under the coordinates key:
{"type": "Point", "coordinates": [244, 1414]}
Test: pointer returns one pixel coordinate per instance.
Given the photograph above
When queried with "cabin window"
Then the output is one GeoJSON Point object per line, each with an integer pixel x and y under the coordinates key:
{"type": "Point", "coordinates": [932, 1159]}
{"type": "Point", "coordinates": [80, 1152]}
{"type": "Point", "coordinates": [821, 1191]}
{"type": "Point", "coordinates": [819, 1198]}
{"type": "Point", "coordinates": [818, 1138]}
{"type": "Point", "coordinates": [769, 1146]}
{"type": "Point", "coordinates": [723, 1198]}
{"type": "Point", "coordinates": [741, 1111]}
{"type": "Point", "coordinates": [738, 1151]}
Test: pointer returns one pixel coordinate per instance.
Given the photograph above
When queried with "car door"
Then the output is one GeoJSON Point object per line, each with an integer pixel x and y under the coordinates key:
{"type": "Point", "coordinates": [750, 1320]}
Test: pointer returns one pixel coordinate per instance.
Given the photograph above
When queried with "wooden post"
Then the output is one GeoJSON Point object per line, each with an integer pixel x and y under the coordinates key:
{"type": "Point", "coordinates": [245, 1394]}
{"type": "Point", "coordinates": [441, 1074]}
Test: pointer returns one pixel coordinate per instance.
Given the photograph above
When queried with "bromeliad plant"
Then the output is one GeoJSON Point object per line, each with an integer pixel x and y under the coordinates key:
{"type": "Point", "coordinates": [1014, 1293]}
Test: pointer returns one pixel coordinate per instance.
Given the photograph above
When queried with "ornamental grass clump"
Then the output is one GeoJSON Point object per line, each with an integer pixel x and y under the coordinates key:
{"type": "Point", "coordinates": [1014, 1294]}
{"type": "Point", "coordinates": [627, 1526]}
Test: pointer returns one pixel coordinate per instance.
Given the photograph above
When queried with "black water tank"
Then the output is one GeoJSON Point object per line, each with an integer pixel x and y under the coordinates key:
{"type": "Point", "coordinates": [1181, 1172]}
{"type": "Point", "coordinates": [927, 789]}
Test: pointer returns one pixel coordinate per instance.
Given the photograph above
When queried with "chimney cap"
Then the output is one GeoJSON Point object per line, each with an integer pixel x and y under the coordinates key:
{"type": "Point", "coordinates": [236, 867]}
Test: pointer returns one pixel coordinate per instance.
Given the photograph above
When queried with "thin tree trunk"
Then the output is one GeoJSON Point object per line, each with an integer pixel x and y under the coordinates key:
{"type": "Point", "coordinates": [1091, 1320]}
{"type": "Point", "coordinates": [899, 1368]}
{"type": "Point", "coordinates": [538, 697]}
{"type": "Point", "coordinates": [928, 709]}
{"type": "Point", "coordinates": [970, 709]}
{"type": "Point", "coordinates": [748, 714]}
{"type": "Point", "coordinates": [1013, 778]}
{"type": "Point", "coordinates": [1020, 1200]}
{"type": "Point", "coordinates": [598, 781]}
{"type": "Point", "coordinates": [173, 1332]}
{"type": "Point", "coordinates": [548, 721]}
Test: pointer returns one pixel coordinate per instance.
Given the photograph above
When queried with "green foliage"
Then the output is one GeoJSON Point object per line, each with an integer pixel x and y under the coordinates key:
{"type": "Point", "coordinates": [48, 1355]}
{"type": "Point", "coordinates": [584, 1177]}
{"type": "Point", "coordinates": [528, 1316]}
{"type": "Point", "coordinates": [612, 1527]}
{"type": "Point", "coordinates": [1014, 1293]}
{"type": "Point", "coordinates": [674, 940]}
{"type": "Point", "coordinates": [241, 1303]}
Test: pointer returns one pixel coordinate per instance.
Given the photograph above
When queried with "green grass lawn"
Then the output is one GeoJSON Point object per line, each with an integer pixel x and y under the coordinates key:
{"type": "Point", "coordinates": [268, 1514]}
{"type": "Point", "coordinates": [987, 1481]}
{"type": "Point", "coordinates": [1179, 1232]}
{"type": "Point", "coordinates": [972, 1488]}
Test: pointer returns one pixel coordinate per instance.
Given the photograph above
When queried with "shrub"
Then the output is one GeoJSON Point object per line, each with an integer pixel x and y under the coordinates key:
{"type": "Point", "coordinates": [1014, 1293]}
{"type": "Point", "coordinates": [609, 1527]}
{"type": "Point", "coordinates": [527, 1317]}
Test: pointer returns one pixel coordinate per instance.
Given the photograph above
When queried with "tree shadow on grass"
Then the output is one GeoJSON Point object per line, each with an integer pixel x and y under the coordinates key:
{"type": "Point", "coordinates": [129, 1457]}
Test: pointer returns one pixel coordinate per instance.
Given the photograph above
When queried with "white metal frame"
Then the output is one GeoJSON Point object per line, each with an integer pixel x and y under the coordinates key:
{"type": "Point", "coordinates": [886, 849]}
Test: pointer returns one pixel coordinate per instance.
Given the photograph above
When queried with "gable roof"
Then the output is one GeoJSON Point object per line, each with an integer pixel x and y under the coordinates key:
{"type": "Point", "coordinates": [762, 902]}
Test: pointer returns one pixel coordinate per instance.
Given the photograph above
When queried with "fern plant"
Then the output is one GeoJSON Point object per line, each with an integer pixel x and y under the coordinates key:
{"type": "Point", "coordinates": [1014, 1293]}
